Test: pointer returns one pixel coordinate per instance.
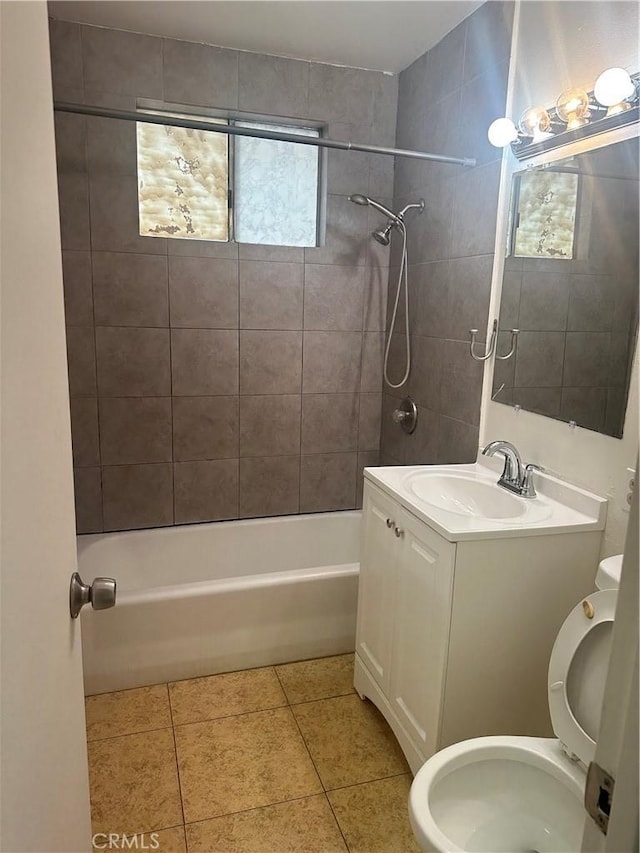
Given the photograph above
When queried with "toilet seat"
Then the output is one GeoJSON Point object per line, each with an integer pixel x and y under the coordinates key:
{"type": "Point", "coordinates": [581, 646]}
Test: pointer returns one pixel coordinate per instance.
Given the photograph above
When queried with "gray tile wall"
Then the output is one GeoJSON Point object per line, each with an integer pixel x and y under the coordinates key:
{"type": "Point", "coordinates": [213, 381]}
{"type": "Point", "coordinates": [447, 100]}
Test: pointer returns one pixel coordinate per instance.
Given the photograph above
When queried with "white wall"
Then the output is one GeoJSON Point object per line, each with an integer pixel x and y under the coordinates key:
{"type": "Point", "coordinates": [557, 44]}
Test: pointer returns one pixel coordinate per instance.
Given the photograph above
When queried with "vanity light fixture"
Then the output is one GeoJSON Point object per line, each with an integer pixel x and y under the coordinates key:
{"type": "Point", "coordinates": [572, 107]}
{"type": "Point", "coordinates": [502, 132]}
{"type": "Point", "coordinates": [616, 90]}
{"type": "Point", "coordinates": [577, 113]}
{"type": "Point", "coordinates": [536, 123]}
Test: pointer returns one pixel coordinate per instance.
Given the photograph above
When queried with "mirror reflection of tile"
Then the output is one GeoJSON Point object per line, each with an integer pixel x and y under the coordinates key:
{"type": "Point", "coordinates": [577, 309]}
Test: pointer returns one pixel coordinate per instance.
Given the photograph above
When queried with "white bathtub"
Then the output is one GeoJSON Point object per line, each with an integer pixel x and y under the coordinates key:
{"type": "Point", "coordinates": [199, 599]}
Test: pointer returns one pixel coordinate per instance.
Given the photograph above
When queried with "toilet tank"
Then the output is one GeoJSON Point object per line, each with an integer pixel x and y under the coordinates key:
{"type": "Point", "coordinates": [608, 574]}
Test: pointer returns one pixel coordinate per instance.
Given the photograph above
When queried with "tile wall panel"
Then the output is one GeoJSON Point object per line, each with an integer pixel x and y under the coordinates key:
{"type": "Point", "coordinates": [447, 99]}
{"type": "Point", "coordinates": [214, 380]}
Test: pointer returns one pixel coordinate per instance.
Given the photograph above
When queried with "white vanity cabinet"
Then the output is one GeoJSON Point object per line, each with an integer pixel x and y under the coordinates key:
{"type": "Point", "coordinates": [453, 638]}
{"type": "Point", "coordinates": [376, 585]}
{"type": "Point", "coordinates": [404, 605]}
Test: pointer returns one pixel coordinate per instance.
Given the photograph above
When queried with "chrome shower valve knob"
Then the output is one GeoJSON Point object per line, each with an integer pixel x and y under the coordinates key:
{"type": "Point", "coordinates": [406, 415]}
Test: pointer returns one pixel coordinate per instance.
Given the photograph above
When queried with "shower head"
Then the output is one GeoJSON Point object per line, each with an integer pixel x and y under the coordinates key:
{"type": "Point", "coordinates": [365, 200]}
{"type": "Point", "coordinates": [382, 234]}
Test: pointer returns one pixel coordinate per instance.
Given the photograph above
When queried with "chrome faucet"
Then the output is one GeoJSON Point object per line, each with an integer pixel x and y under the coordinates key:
{"type": "Point", "coordinates": [515, 477]}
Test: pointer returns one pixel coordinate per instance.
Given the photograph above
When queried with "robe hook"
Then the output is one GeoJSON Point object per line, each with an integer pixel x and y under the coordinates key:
{"type": "Point", "coordinates": [492, 343]}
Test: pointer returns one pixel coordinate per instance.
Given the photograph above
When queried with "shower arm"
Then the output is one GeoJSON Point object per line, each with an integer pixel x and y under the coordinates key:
{"type": "Point", "coordinates": [419, 206]}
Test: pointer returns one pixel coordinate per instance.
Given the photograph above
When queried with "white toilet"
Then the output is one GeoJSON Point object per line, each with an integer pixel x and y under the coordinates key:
{"type": "Point", "coordinates": [510, 793]}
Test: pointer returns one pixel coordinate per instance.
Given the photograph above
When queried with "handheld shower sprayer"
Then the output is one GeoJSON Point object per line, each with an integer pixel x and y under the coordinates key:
{"type": "Point", "coordinates": [365, 201]}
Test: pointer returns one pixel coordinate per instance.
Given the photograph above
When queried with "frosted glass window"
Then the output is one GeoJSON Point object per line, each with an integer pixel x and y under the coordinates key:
{"type": "Point", "coordinates": [546, 215]}
{"type": "Point", "coordinates": [275, 189]}
{"type": "Point", "coordinates": [183, 182]}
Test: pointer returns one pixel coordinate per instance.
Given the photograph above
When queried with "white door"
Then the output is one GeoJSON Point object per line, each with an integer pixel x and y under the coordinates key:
{"type": "Point", "coordinates": [45, 796]}
{"type": "Point", "coordinates": [423, 596]}
{"type": "Point", "coordinates": [380, 550]}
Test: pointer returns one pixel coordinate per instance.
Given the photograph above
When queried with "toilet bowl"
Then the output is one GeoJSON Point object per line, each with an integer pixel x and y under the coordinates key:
{"type": "Point", "coordinates": [510, 793]}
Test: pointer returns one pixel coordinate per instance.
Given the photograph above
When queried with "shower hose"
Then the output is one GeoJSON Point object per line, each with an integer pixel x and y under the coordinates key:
{"type": "Point", "coordinates": [402, 278]}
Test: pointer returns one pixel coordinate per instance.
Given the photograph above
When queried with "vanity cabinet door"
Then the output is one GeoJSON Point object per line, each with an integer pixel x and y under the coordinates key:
{"type": "Point", "coordinates": [424, 585]}
{"type": "Point", "coordinates": [380, 550]}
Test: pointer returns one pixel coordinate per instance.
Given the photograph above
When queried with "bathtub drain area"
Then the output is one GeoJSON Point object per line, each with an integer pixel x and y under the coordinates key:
{"type": "Point", "coordinates": [284, 758]}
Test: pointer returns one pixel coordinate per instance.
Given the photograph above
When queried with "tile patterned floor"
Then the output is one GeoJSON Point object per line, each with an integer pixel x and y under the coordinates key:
{"type": "Point", "coordinates": [283, 759]}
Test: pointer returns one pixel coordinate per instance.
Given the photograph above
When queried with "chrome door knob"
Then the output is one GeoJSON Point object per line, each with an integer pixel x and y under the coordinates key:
{"type": "Point", "coordinates": [101, 594]}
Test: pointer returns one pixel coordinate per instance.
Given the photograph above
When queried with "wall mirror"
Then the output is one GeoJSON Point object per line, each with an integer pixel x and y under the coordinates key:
{"type": "Point", "coordinates": [570, 285]}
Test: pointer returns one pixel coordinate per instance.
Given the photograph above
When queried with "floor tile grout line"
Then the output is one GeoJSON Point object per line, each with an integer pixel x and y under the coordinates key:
{"type": "Point", "coordinates": [256, 808]}
{"type": "Point", "coordinates": [144, 832]}
{"type": "Point", "coordinates": [128, 734]}
{"type": "Point", "coordinates": [149, 831]}
{"type": "Point", "coordinates": [335, 817]}
{"type": "Point", "coordinates": [231, 716]}
{"type": "Point", "coordinates": [186, 839]}
{"type": "Point", "coordinates": [368, 781]}
{"type": "Point", "coordinates": [184, 835]}
{"type": "Point", "coordinates": [306, 746]}
{"type": "Point", "coordinates": [323, 698]}
{"type": "Point", "coordinates": [286, 695]}
{"type": "Point", "coordinates": [175, 753]}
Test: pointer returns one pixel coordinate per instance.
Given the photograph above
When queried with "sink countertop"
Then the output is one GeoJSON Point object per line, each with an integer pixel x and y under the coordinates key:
{"type": "Point", "coordinates": [563, 508]}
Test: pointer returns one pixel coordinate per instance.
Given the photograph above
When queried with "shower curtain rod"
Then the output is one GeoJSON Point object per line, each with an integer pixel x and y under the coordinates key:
{"type": "Point", "coordinates": [235, 130]}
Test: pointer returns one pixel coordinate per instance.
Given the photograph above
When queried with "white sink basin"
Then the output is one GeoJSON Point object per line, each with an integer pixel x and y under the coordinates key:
{"type": "Point", "coordinates": [474, 496]}
{"type": "Point", "coordinates": [462, 502]}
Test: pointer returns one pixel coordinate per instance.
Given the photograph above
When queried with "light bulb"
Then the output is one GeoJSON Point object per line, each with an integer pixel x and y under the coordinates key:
{"type": "Point", "coordinates": [614, 88]}
{"type": "Point", "coordinates": [535, 122]}
{"type": "Point", "coordinates": [502, 132]}
{"type": "Point", "coordinates": [573, 108]}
